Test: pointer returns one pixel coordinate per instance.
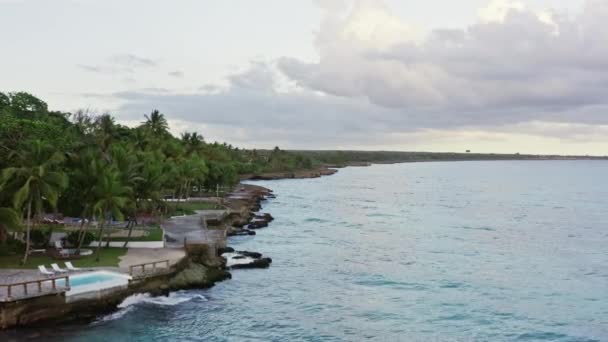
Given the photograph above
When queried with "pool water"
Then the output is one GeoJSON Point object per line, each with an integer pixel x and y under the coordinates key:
{"type": "Point", "coordinates": [93, 278]}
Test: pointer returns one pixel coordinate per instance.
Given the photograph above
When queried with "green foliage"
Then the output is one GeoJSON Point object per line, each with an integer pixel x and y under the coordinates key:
{"type": "Point", "coordinates": [11, 247]}
{"type": "Point", "coordinates": [39, 237]}
{"type": "Point", "coordinates": [113, 171]}
{"type": "Point", "coordinates": [73, 237]}
{"type": "Point", "coordinates": [9, 219]}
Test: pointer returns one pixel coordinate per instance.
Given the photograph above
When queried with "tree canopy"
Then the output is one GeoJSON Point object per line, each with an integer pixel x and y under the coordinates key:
{"type": "Point", "coordinates": [87, 165]}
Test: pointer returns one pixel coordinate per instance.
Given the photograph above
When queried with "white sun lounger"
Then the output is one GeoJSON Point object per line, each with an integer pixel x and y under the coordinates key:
{"type": "Point", "coordinates": [44, 271]}
{"type": "Point", "coordinates": [71, 267]}
{"type": "Point", "coordinates": [60, 248]}
{"type": "Point", "coordinates": [56, 268]}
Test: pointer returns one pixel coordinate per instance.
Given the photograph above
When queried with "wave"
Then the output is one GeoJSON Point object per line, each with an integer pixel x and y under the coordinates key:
{"type": "Point", "coordinates": [115, 315]}
{"type": "Point", "coordinates": [236, 259]}
{"type": "Point", "coordinates": [172, 299]}
{"type": "Point", "coordinates": [130, 302]}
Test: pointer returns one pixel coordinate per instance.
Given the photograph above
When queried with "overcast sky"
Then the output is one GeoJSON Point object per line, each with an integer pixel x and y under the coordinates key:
{"type": "Point", "coordinates": [436, 75]}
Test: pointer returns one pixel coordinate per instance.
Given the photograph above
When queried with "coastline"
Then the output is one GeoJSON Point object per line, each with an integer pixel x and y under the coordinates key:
{"type": "Point", "coordinates": [202, 267]}
{"type": "Point", "coordinates": [301, 174]}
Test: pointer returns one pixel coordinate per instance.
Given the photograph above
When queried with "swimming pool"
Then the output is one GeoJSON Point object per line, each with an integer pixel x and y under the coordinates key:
{"type": "Point", "coordinates": [97, 281]}
{"type": "Point", "coordinates": [91, 278]}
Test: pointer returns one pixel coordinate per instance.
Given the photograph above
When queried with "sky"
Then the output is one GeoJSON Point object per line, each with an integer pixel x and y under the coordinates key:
{"type": "Point", "coordinates": [500, 76]}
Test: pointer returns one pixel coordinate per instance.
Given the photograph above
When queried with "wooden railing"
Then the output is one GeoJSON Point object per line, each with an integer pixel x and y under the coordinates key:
{"type": "Point", "coordinates": [38, 290]}
{"type": "Point", "coordinates": [153, 264]}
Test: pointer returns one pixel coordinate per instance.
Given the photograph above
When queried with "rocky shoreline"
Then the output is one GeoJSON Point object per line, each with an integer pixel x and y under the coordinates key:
{"type": "Point", "coordinates": [203, 266]}
{"type": "Point", "coordinates": [314, 173]}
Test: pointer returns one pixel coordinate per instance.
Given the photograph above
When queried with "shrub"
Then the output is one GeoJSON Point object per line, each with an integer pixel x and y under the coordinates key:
{"type": "Point", "coordinates": [11, 247]}
{"type": "Point", "coordinates": [72, 238]}
{"type": "Point", "coordinates": [39, 238]}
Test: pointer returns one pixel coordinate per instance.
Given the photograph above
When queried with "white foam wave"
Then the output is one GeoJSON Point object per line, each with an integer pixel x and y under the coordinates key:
{"type": "Point", "coordinates": [174, 298]}
{"type": "Point", "coordinates": [130, 302]}
{"type": "Point", "coordinates": [230, 260]}
{"type": "Point", "coordinates": [114, 315]}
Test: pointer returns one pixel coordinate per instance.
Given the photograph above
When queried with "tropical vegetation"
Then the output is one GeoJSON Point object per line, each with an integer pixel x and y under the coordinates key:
{"type": "Point", "coordinates": [92, 167]}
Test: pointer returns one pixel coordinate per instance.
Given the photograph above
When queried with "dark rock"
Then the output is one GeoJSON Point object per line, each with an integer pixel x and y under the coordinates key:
{"type": "Point", "coordinates": [164, 290]}
{"type": "Point", "coordinates": [257, 224]}
{"type": "Point", "coordinates": [197, 276]}
{"type": "Point", "coordinates": [223, 250]}
{"type": "Point", "coordinates": [240, 232]}
{"type": "Point", "coordinates": [254, 255]}
{"type": "Point", "coordinates": [240, 223]}
{"type": "Point", "coordinates": [258, 263]}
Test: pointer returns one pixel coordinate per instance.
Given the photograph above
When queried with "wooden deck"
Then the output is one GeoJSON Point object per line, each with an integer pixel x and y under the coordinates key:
{"type": "Point", "coordinates": [150, 269]}
{"type": "Point", "coordinates": [10, 292]}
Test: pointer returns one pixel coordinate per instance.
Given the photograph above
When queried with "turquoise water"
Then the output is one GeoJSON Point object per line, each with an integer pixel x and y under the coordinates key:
{"type": "Point", "coordinates": [88, 279]}
{"type": "Point", "coordinates": [463, 251]}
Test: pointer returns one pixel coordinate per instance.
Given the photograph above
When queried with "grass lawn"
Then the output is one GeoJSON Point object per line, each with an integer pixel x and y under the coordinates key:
{"type": "Point", "coordinates": [189, 208]}
{"type": "Point", "coordinates": [109, 257]}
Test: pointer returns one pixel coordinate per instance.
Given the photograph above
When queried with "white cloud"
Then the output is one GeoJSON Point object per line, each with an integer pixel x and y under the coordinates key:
{"type": "Point", "coordinates": [517, 75]}
{"type": "Point", "coordinates": [497, 10]}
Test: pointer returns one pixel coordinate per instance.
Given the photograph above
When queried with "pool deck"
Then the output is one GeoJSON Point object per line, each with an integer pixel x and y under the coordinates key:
{"type": "Point", "coordinates": [11, 276]}
{"type": "Point", "coordinates": [134, 256]}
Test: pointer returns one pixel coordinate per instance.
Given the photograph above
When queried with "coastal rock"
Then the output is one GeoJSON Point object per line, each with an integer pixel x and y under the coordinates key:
{"type": "Point", "coordinates": [254, 255]}
{"type": "Point", "coordinates": [257, 263]}
{"type": "Point", "coordinates": [314, 173]}
{"type": "Point", "coordinates": [257, 224]}
{"type": "Point", "coordinates": [264, 217]}
{"type": "Point", "coordinates": [223, 250]}
{"type": "Point", "coordinates": [197, 276]}
{"type": "Point", "coordinates": [240, 232]}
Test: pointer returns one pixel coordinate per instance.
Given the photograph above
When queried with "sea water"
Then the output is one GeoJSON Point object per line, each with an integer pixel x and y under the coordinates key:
{"type": "Point", "coordinates": [459, 251]}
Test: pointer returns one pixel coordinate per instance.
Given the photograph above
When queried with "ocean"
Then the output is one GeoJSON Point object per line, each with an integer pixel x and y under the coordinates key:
{"type": "Point", "coordinates": [442, 251]}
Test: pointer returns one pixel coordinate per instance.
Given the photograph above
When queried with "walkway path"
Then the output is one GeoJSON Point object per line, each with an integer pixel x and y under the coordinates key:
{"type": "Point", "coordinates": [137, 256]}
{"type": "Point", "coordinates": [191, 228]}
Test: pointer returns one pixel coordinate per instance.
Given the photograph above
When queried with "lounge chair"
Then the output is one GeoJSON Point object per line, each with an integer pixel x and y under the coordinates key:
{"type": "Point", "coordinates": [44, 271]}
{"type": "Point", "coordinates": [70, 267]}
{"type": "Point", "coordinates": [60, 249]}
{"type": "Point", "coordinates": [56, 268]}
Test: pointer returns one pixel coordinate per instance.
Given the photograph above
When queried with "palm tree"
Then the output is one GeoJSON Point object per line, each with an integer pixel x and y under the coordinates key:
{"type": "Point", "coordinates": [8, 219]}
{"type": "Point", "coordinates": [111, 198]}
{"type": "Point", "coordinates": [36, 180]}
{"type": "Point", "coordinates": [130, 167]}
{"type": "Point", "coordinates": [106, 128]}
{"type": "Point", "coordinates": [156, 123]}
{"type": "Point", "coordinates": [192, 142]}
{"type": "Point", "coordinates": [85, 167]}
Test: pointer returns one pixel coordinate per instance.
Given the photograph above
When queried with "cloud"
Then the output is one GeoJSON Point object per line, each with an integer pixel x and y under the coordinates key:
{"type": "Point", "coordinates": [117, 64]}
{"type": "Point", "coordinates": [132, 61]}
{"type": "Point", "coordinates": [511, 70]}
{"type": "Point", "coordinates": [258, 76]}
{"type": "Point", "coordinates": [380, 82]}
{"type": "Point", "coordinates": [176, 74]}
{"type": "Point", "coordinates": [498, 10]}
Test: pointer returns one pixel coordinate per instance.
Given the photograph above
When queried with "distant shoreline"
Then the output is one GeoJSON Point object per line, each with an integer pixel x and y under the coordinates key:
{"type": "Point", "coordinates": [331, 169]}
